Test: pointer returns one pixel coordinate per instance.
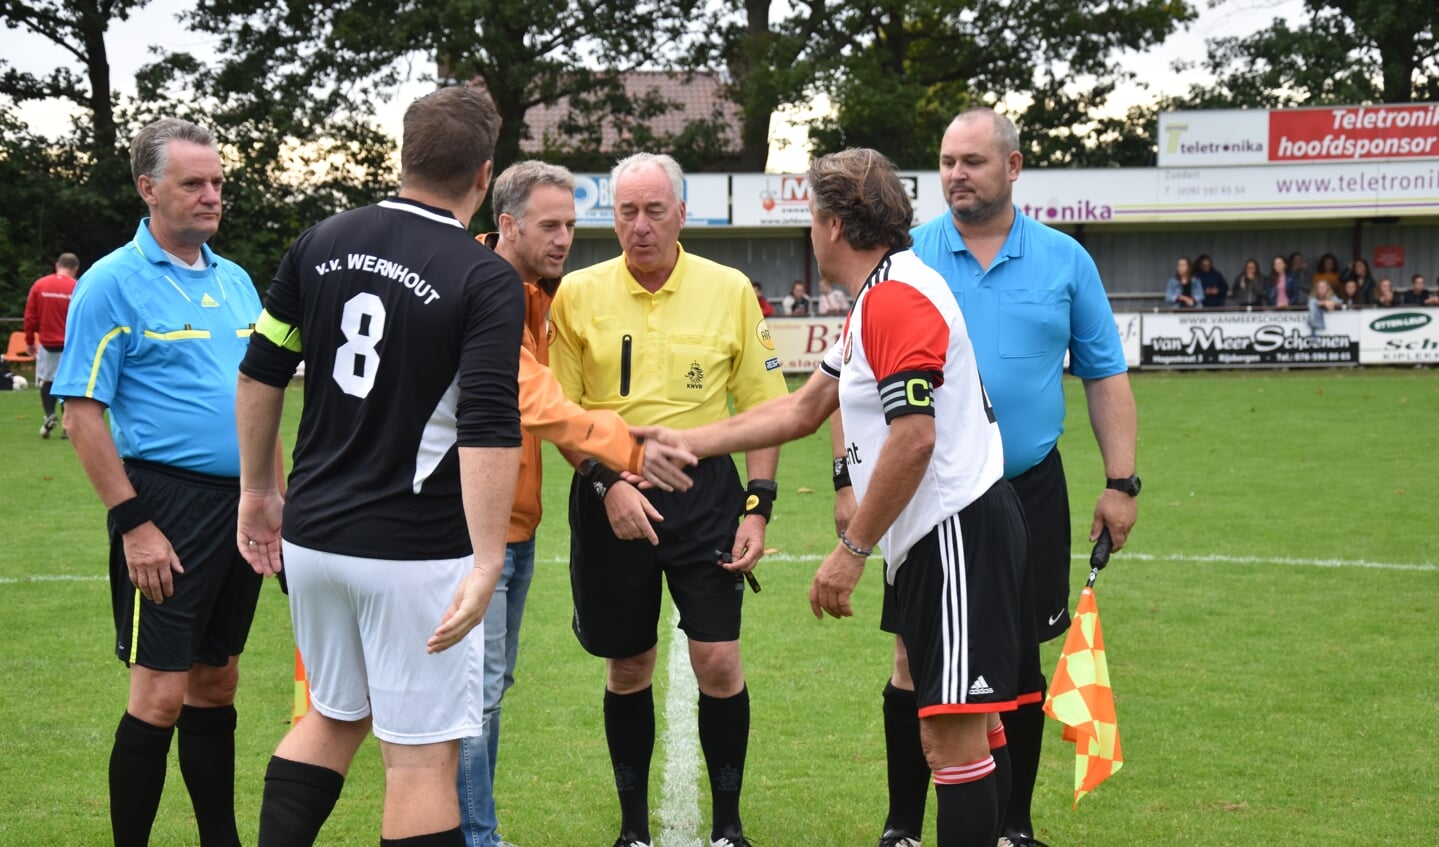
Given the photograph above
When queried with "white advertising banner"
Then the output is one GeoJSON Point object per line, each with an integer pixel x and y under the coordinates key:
{"type": "Point", "coordinates": [706, 200]}
{"type": "Point", "coordinates": [1128, 324]}
{"type": "Point", "coordinates": [801, 343]}
{"type": "Point", "coordinates": [1230, 194]}
{"type": "Point", "coordinates": [1398, 336]}
{"type": "Point", "coordinates": [783, 199]}
{"type": "Point", "coordinates": [1298, 136]}
{"type": "Point", "coordinates": [1200, 339]}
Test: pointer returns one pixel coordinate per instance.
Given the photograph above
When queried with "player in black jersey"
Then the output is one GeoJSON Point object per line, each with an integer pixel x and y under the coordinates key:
{"type": "Point", "coordinates": [410, 334]}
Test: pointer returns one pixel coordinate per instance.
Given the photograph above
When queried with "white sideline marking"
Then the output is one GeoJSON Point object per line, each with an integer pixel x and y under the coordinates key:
{"type": "Point", "coordinates": [680, 807]}
{"type": "Point", "coordinates": [52, 577]}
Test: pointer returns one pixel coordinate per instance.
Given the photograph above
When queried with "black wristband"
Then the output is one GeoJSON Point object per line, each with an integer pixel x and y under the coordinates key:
{"type": "Point", "coordinates": [759, 498]}
{"type": "Point", "coordinates": [129, 514]}
{"type": "Point", "coordinates": [841, 474]}
{"type": "Point", "coordinates": [600, 478]}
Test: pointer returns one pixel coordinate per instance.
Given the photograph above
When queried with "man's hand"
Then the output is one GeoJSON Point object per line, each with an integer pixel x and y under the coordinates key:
{"type": "Point", "coordinates": [32, 350]}
{"type": "Point", "coordinates": [151, 562]}
{"type": "Point", "coordinates": [465, 612]}
{"type": "Point", "coordinates": [631, 514]}
{"type": "Point", "coordinates": [665, 462]}
{"type": "Point", "coordinates": [748, 545]}
{"type": "Point", "coordinates": [844, 508]}
{"type": "Point", "coordinates": [834, 582]}
{"type": "Point", "coordinates": [1116, 510]}
{"type": "Point", "coordinates": [258, 532]}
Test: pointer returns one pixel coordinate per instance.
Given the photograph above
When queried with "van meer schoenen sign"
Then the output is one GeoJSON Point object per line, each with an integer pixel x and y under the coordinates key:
{"type": "Point", "coordinates": [1247, 339]}
{"type": "Point", "coordinates": [1334, 134]}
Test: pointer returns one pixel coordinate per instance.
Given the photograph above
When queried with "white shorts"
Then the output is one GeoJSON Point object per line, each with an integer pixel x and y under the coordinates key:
{"type": "Point", "coordinates": [361, 626]}
{"type": "Point", "coordinates": [46, 364]}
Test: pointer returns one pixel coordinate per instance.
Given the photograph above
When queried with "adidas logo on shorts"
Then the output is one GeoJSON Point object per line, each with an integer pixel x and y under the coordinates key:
{"type": "Point", "coordinates": [980, 686]}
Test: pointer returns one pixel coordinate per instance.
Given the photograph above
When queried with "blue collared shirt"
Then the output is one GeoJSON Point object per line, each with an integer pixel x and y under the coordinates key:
{"type": "Point", "coordinates": [1040, 298]}
{"type": "Point", "coordinates": [161, 345]}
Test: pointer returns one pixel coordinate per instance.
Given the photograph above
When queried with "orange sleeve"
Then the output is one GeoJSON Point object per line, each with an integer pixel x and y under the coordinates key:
{"type": "Point", "coordinates": [547, 413]}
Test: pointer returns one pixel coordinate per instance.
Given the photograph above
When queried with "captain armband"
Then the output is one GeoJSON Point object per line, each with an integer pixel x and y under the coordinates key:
{"type": "Point", "coordinates": [909, 393]}
{"type": "Point", "coordinates": [759, 498]}
{"type": "Point", "coordinates": [599, 478]}
{"type": "Point", "coordinates": [278, 333]}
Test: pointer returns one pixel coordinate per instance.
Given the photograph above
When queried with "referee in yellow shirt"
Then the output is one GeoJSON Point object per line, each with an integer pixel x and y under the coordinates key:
{"type": "Point", "coordinates": [662, 336]}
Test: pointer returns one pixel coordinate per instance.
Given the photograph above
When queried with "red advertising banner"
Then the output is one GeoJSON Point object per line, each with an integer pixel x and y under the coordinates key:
{"type": "Point", "coordinates": [1389, 256]}
{"type": "Point", "coordinates": [1354, 132]}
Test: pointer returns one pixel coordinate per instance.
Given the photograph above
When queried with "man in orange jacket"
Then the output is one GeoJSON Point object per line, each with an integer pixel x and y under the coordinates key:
{"type": "Point", "coordinates": [535, 206]}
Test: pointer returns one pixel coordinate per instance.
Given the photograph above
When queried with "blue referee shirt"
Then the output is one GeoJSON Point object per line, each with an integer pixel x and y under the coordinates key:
{"type": "Point", "coordinates": [161, 346]}
{"type": "Point", "coordinates": [1040, 298]}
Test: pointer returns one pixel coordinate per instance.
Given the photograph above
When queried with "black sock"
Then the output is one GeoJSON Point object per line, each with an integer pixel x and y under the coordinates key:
{"type": "Point", "coordinates": [630, 731]}
{"type": "Point", "coordinates": [1024, 728]}
{"type": "Point", "coordinates": [999, 751]}
{"type": "Point", "coordinates": [207, 762]}
{"type": "Point", "coordinates": [449, 838]}
{"type": "Point", "coordinates": [137, 778]}
{"type": "Point", "coordinates": [724, 737]}
{"type": "Point", "coordinates": [908, 771]}
{"type": "Point", "coordinates": [298, 798]}
{"type": "Point", "coordinates": [967, 810]}
{"type": "Point", "coordinates": [47, 402]}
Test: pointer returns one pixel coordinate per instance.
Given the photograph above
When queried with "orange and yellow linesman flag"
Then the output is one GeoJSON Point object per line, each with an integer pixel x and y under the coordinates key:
{"type": "Point", "coordinates": [302, 690]}
{"type": "Point", "coordinates": [1081, 699]}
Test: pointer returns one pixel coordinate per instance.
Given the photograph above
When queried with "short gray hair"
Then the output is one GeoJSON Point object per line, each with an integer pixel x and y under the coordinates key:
{"type": "Point", "coordinates": [149, 153]}
{"type": "Point", "coordinates": [1006, 135]}
{"type": "Point", "coordinates": [512, 189]}
{"type": "Point", "coordinates": [671, 169]}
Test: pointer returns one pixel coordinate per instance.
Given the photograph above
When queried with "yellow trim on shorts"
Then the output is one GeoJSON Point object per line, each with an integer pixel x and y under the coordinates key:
{"type": "Point", "coordinates": [279, 333]}
{"type": "Point", "coordinates": [99, 355]}
{"type": "Point", "coordinates": [134, 631]}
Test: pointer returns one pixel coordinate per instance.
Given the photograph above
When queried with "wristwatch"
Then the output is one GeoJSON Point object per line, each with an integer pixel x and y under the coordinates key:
{"type": "Point", "coordinates": [1129, 485]}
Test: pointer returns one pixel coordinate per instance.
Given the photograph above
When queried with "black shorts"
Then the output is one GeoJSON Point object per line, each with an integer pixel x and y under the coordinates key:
{"type": "Point", "coordinates": [959, 595]}
{"type": "Point", "coordinates": [616, 584]}
{"type": "Point", "coordinates": [1045, 495]}
{"type": "Point", "coordinates": [207, 619]}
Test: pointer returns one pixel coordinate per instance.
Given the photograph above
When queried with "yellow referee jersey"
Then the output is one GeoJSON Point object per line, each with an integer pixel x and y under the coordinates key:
{"type": "Point", "coordinates": [666, 358]}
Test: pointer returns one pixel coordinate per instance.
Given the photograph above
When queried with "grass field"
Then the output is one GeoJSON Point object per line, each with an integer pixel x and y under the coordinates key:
{"type": "Point", "coordinates": [1270, 632]}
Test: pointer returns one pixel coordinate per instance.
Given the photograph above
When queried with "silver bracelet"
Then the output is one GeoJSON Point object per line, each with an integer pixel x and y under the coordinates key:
{"type": "Point", "coordinates": [856, 550]}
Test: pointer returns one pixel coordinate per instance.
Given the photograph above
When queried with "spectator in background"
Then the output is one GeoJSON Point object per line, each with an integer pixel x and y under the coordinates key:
{"type": "Point", "coordinates": [1248, 289]}
{"type": "Point", "coordinates": [1418, 294]}
{"type": "Point", "coordinates": [796, 303]}
{"type": "Point", "coordinates": [1183, 291]}
{"type": "Point", "coordinates": [766, 308]}
{"type": "Point", "coordinates": [1384, 296]}
{"type": "Point", "coordinates": [1302, 280]}
{"type": "Point", "coordinates": [1216, 288]}
{"type": "Point", "coordinates": [1328, 270]}
{"type": "Point", "coordinates": [1280, 290]}
{"type": "Point", "coordinates": [1359, 271]}
{"type": "Point", "coordinates": [1321, 301]}
{"type": "Point", "coordinates": [1350, 296]}
{"type": "Point", "coordinates": [45, 310]}
{"type": "Point", "coordinates": [832, 301]}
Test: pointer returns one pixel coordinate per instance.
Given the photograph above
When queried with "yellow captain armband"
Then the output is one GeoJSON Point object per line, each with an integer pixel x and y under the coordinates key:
{"type": "Point", "coordinates": [278, 332]}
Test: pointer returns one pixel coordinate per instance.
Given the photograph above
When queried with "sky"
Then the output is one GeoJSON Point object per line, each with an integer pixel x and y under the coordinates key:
{"type": "Point", "coordinates": [128, 43]}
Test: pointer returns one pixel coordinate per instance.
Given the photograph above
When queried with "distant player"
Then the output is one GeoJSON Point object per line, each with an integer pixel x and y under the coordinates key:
{"type": "Point", "coordinates": [927, 466]}
{"type": "Point", "coordinates": [45, 311]}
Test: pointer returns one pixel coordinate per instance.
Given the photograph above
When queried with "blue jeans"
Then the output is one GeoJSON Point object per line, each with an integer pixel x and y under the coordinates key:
{"type": "Point", "coordinates": [502, 645]}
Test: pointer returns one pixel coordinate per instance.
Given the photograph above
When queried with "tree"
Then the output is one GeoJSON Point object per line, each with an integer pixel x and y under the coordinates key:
{"type": "Point", "coordinates": [77, 28]}
{"type": "Point", "coordinates": [1346, 51]}
{"type": "Point", "coordinates": [904, 67]}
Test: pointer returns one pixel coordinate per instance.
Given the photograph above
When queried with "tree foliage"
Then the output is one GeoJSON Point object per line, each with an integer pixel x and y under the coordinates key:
{"type": "Point", "coordinates": [1344, 51]}
{"type": "Point", "coordinates": [901, 69]}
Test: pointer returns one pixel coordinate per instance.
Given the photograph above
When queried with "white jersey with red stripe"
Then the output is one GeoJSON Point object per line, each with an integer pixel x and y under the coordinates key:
{"type": "Point", "coordinates": [905, 350]}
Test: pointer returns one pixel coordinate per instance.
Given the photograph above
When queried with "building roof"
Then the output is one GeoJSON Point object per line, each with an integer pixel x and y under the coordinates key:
{"type": "Point", "coordinates": [693, 96]}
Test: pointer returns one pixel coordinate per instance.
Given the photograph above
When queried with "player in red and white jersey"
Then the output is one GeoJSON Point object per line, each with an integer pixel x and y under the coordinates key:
{"type": "Point", "coordinates": [927, 465]}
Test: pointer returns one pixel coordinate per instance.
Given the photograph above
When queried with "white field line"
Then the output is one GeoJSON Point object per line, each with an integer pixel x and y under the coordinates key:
{"type": "Point", "coordinates": [1214, 558]}
{"type": "Point", "coordinates": [679, 813]}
